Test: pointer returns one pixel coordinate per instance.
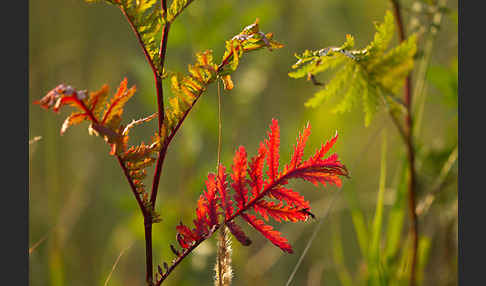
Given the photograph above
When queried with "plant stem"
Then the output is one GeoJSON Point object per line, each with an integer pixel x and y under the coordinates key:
{"type": "Point", "coordinates": [158, 82]}
{"type": "Point", "coordinates": [222, 238]}
{"type": "Point", "coordinates": [220, 126]}
{"type": "Point", "coordinates": [419, 95]}
{"type": "Point", "coordinates": [220, 256]}
{"type": "Point", "coordinates": [160, 105]}
{"type": "Point", "coordinates": [147, 217]}
{"type": "Point", "coordinates": [161, 156]}
{"type": "Point", "coordinates": [148, 249]}
{"type": "Point", "coordinates": [222, 247]}
{"type": "Point", "coordinates": [410, 152]}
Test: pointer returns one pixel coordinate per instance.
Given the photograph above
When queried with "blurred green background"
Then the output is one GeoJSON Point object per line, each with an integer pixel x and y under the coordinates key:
{"type": "Point", "coordinates": [82, 215]}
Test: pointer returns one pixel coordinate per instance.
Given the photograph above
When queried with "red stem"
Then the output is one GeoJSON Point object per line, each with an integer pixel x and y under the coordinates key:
{"type": "Point", "coordinates": [410, 153]}
{"type": "Point", "coordinates": [160, 106]}
{"type": "Point", "coordinates": [148, 249]}
{"type": "Point", "coordinates": [162, 152]}
{"type": "Point", "coordinates": [225, 61]}
{"type": "Point", "coordinates": [158, 79]}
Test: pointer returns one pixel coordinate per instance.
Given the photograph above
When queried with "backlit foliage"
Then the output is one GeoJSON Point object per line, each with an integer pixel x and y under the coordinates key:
{"type": "Point", "coordinates": [256, 194]}
{"type": "Point", "coordinates": [188, 88]}
{"type": "Point", "coordinates": [104, 116]}
{"type": "Point", "coordinates": [372, 75]}
{"type": "Point", "coordinates": [176, 8]}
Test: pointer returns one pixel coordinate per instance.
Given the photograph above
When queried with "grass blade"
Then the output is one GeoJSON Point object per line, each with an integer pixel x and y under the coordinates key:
{"type": "Point", "coordinates": [338, 257]}
{"type": "Point", "coordinates": [396, 218]}
{"type": "Point", "coordinates": [116, 263]}
{"type": "Point", "coordinates": [374, 250]}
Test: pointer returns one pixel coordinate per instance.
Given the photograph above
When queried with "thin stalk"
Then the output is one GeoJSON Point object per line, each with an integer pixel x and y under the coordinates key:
{"type": "Point", "coordinates": [221, 237]}
{"type": "Point", "coordinates": [147, 215]}
{"type": "Point", "coordinates": [311, 239]}
{"type": "Point", "coordinates": [219, 256]}
{"type": "Point", "coordinates": [160, 105]}
{"type": "Point", "coordinates": [148, 249]}
{"type": "Point", "coordinates": [160, 91]}
{"type": "Point", "coordinates": [147, 221]}
{"type": "Point", "coordinates": [420, 96]}
{"type": "Point", "coordinates": [161, 156]}
{"type": "Point", "coordinates": [115, 264]}
{"type": "Point", "coordinates": [220, 126]}
{"type": "Point", "coordinates": [224, 255]}
{"type": "Point", "coordinates": [425, 204]}
{"type": "Point", "coordinates": [410, 152]}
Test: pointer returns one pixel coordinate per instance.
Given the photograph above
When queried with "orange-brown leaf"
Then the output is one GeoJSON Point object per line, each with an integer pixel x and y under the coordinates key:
{"type": "Point", "coordinates": [63, 95]}
{"type": "Point", "coordinates": [73, 119]}
{"type": "Point", "coordinates": [227, 82]}
{"type": "Point", "coordinates": [98, 100]}
{"type": "Point", "coordinates": [115, 107]}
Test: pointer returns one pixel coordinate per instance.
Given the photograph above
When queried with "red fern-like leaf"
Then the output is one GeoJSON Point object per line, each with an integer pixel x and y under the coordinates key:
{"type": "Point", "coordinates": [186, 233]}
{"type": "Point", "coordinates": [272, 150]}
{"type": "Point", "coordinates": [239, 177]}
{"type": "Point", "coordinates": [323, 150]}
{"type": "Point", "coordinates": [290, 197]}
{"type": "Point", "coordinates": [299, 149]}
{"type": "Point", "coordinates": [253, 193]}
{"type": "Point", "coordinates": [279, 211]}
{"type": "Point", "coordinates": [211, 202]}
{"type": "Point", "coordinates": [256, 171]}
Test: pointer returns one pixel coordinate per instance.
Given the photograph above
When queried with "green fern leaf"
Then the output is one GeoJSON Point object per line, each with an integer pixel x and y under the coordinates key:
{"type": "Point", "coordinates": [350, 99]}
{"type": "Point", "coordinates": [321, 60]}
{"type": "Point", "coordinates": [335, 86]}
{"type": "Point", "coordinates": [392, 68]}
{"type": "Point", "coordinates": [371, 75]}
{"type": "Point", "coordinates": [382, 38]}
